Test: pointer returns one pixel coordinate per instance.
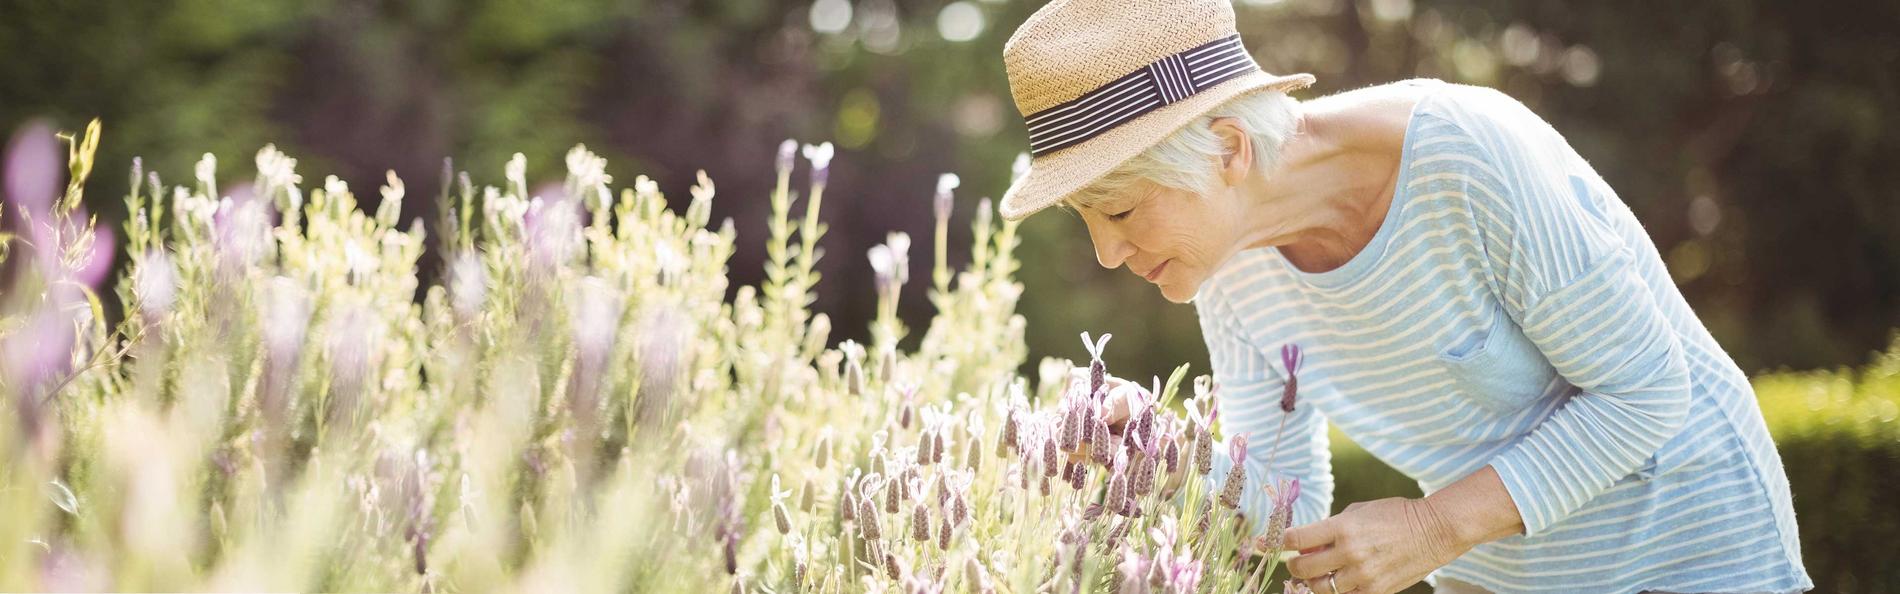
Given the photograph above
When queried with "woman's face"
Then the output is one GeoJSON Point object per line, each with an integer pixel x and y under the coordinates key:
{"type": "Point", "coordinates": [1172, 238]}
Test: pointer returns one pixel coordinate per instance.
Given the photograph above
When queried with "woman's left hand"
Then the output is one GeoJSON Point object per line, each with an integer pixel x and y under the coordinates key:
{"type": "Point", "coordinates": [1373, 547]}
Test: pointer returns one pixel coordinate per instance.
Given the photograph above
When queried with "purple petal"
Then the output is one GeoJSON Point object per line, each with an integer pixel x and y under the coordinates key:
{"type": "Point", "coordinates": [96, 267]}
{"type": "Point", "coordinates": [33, 168]}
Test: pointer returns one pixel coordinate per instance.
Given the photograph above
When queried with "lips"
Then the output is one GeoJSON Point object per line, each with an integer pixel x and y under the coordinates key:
{"type": "Point", "coordinates": [1155, 272]}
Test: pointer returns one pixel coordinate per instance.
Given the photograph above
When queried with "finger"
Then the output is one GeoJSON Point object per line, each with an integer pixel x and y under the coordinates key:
{"type": "Point", "coordinates": [1308, 536]}
{"type": "Point", "coordinates": [1314, 567]}
{"type": "Point", "coordinates": [1345, 579]}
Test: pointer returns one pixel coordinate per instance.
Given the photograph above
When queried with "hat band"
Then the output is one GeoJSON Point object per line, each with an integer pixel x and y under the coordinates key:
{"type": "Point", "coordinates": [1166, 81]}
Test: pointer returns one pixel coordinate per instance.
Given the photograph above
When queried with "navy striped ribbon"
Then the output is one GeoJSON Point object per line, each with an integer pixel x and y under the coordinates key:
{"type": "Point", "coordinates": [1163, 82]}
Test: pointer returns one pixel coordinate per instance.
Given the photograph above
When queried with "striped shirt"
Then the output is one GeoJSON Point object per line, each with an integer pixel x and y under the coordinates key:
{"type": "Point", "coordinates": [1511, 311]}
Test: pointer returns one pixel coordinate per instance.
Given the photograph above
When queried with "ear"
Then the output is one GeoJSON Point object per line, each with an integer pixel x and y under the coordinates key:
{"type": "Point", "coordinates": [1236, 149]}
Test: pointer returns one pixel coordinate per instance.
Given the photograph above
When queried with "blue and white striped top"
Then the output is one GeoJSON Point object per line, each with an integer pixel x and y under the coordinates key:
{"type": "Point", "coordinates": [1511, 311]}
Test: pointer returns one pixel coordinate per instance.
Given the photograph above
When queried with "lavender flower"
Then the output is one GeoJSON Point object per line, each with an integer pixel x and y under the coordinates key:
{"type": "Point", "coordinates": [820, 157]}
{"type": "Point", "coordinates": [787, 151]}
{"type": "Point", "coordinates": [1237, 474]}
{"type": "Point", "coordinates": [1291, 358]}
{"type": "Point", "coordinates": [891, 263]}
{"type": "Point", "coordinates": [942, 202]}
{"type": "Point", "coordinates": [1282, 515]}
{"type": "Point", "coordinates": [920, 524]}
{"type": "Point", "coordinates": [1098, 372]}
{"type": "Point", "coordinates": [780, 516]}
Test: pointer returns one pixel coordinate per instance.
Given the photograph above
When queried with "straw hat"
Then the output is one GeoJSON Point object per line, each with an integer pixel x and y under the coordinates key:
{"type": "Point", "coordinates": [1100, 81]}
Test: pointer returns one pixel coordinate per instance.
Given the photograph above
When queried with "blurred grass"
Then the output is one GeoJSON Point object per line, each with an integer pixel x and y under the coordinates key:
{"type": "Point", "coordinates": [1838, 432]}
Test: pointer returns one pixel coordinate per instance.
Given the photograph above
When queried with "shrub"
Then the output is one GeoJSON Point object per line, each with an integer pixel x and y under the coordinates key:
{"type": "Point", "coordinates": [576, 406]}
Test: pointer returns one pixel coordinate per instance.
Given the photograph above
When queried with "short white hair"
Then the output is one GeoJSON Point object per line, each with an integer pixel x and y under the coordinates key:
{"type": "Point", "coordinates": [1187, 159]}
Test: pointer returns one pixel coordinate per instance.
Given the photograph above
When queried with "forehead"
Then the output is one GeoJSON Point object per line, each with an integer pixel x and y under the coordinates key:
{"type": "Point", "coordinates": [1098, 199]}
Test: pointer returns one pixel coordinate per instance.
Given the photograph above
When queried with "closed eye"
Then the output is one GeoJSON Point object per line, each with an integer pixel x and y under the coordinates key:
{"type": "Point", "coordinates": [1121, 215]}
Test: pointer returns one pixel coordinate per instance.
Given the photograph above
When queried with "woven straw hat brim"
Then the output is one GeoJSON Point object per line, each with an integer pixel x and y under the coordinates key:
{"type": "Point", "coordinates": [1055, 176]}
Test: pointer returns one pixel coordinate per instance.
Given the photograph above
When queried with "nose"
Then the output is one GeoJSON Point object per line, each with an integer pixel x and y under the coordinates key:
{"type": "Point", "coordinates": [1111, 250]}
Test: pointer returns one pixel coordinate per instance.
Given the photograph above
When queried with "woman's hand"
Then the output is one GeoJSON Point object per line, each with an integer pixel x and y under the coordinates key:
{"type": "Point", "coordinates": [1374, 547]}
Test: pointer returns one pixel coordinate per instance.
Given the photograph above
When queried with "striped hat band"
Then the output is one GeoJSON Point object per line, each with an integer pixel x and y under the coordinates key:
{"type": "Point", "coordinates": [1167, 80]}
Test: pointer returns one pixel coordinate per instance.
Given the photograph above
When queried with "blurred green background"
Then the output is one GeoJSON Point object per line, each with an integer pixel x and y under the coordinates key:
{"type": "Point", "coordinates": [1756, 140]}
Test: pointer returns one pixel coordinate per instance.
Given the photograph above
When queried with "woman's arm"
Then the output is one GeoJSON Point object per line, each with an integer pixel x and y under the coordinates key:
{"type": "Point", "coordinates": [1477, 509]}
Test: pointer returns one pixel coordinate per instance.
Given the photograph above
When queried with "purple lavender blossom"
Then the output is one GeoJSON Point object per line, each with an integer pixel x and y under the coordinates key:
{"type": "Point", "coordinates": [1291, 357]}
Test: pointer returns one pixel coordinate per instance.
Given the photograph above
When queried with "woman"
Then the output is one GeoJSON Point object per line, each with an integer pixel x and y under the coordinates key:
{"type": "Point", "coordinates": [1476, 307]}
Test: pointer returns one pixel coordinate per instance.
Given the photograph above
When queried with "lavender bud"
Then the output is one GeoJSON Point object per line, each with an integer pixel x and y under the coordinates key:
{"type": "Point", "coordinates": [1204, 453]}
{"type": "Point", "coordinates": [824, 449]}
{"type": "Point", "coordinates": [943, 534]}
{"type": "Point", "coordinates": [1045, 486]}
{"type": "Point", "coordinates": [895, 571]}
{"type": "Point", "coordinates": [787, 151]}
{"type": "Point", "coordinates": [1079, 477]}
{"type": "Point", "coordinates": [973, 457]}
{"type": "Point", "coordinates": [849, 508]}
{"type": "Point", "coordinates": [1143, 480]}
{"type": "Point", "coordinates": [893, 497]}
{"type": "Point", "coordinates": [1276, 528]}
{"type": "Point", "coordinates": [943, 491]}
{"type": "Point", "coordinates": [936, 448]}
{"type": "Point", "coordinates": [887, 366]}
{"type": "Point", "coordinates": [941, 204]}
{"type": "Point", "coordinates": [923, 451]}
{"type": "Point", "coordinates": [807, 500]}
{"type": "Point", "coordinates": [1230, 493]}
{"type": "Point", "coordinates": [867, 521]}
{"type": "Point", "coordinates": [1101, 449]}
{"type": "Point", "coordinates": [1049, 457]}
{"type": "Point", "coordinates": [1291, 358]}
{"type": "Point", "coordinates": [854, 377]}
{"type": "Point", "coordinates": [1072, 428]}
{"type": "Point", "coordinates": [782, 518]}
{"type": "Point", "coordinates": [960, 509]}
{"type": "Point", "coordinates": [903, 416]}
{"type": "Point", "coordinates": [1010, 428]}
{"type": "Point", "coordinates": [920, 524]}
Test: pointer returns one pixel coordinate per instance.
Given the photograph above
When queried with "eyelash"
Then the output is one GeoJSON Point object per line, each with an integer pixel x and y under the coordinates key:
{"type": "Point", "coordinates": [1121, 215]}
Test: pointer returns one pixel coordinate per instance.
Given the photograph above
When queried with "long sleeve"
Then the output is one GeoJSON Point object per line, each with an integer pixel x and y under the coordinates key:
{"type": "Point", "coordinates": [1572, 286]}
{"type": "Point", "coordinates": [1250, 386]}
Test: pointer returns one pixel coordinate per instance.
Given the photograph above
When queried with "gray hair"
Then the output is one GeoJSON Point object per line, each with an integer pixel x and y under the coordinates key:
{"type": "Point", "coordinates": [1186, 159]}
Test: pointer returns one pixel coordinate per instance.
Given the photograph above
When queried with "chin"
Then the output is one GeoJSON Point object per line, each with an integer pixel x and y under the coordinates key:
{"type": "Point", "coordinates": [1180, 291]}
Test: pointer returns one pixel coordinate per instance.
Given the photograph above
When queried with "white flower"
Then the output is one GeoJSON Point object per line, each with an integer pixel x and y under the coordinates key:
{"type": "Point", "coordinates": [207, 170]}
{"type": "Point", "coordinates": [819, 154]}
{"type": "Point", "coordinates": [156, 282]}
{"type": "Point", "coordinates": [517, 172]}
{"type": "Point", "coordinates": [1020, 168]}
{"type": "Point", "coordinates": [468, 284]}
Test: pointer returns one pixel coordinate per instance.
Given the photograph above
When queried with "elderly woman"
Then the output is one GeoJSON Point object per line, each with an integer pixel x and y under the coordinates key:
{"type": "Point", "coordinates": [1475, 305]}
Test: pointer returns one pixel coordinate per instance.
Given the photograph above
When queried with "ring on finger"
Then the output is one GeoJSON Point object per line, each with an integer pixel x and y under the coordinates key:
{"type": "Point", "coordinates": [1332, 581]}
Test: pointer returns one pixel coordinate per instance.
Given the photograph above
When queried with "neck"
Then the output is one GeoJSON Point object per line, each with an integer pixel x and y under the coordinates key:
{"type": "Point", "coordinates": [1327, 197]}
